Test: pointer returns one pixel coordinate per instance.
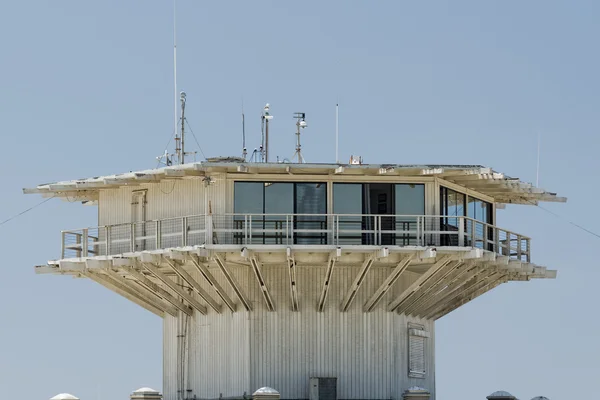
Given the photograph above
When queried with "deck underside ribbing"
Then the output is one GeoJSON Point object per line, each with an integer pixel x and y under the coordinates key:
{"type": "Point", "coordinates": [162, 282]}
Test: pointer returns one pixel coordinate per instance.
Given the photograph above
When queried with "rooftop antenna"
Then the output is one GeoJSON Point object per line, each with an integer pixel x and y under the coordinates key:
{"type": "Point", "coordinates": [300, 124]}
{"type": "Point", "coordinates": [265, 118]}
{"type": "Point", "coordinates": [244, 150]}
{"type": "Point", "coordinates": [537, 172]}
{"type": "Point", "coordinates": [182, 151]}
{"type": "Point", "coordinates": [337, 158]}
{"type": "Point", "coordinates": [175, 116]}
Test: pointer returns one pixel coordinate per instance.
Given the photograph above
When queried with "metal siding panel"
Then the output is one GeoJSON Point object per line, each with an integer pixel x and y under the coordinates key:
{"type": "Point", "coordinates": [170, 357]}
{"type": "Point", "coordinates": [166, 199]}
{"type": "Point", "coordinates": [233, 353]}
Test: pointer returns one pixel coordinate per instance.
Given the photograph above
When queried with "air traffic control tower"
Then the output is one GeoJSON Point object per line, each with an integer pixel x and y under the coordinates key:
{"type": "Point", "coordinates": [298, 276]}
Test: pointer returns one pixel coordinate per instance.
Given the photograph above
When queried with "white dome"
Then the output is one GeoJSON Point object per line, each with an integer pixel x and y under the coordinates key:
{"type": "Point", "coordinates": [416, 389]}
{"type": "Point", "coordinates": [146, 390]}
{"type": "Point", "coordinates": [266, 390]}
{"type": "Point", "coordinates": [64, 396]}
{"type": "Point", "coordinates": [500, 393]}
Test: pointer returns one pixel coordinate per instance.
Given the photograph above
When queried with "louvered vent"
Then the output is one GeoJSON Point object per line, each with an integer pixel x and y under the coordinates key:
{"type": "Point", "coordinates": [323, 388]}
{"type": "Point", "coordinates": [417, 345]}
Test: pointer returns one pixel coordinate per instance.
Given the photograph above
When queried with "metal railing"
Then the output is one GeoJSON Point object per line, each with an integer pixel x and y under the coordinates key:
{"type": "Point", "coordinates": [295, 229]}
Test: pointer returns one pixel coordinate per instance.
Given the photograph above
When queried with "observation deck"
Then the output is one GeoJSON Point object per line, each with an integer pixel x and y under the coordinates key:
{"type": "Point", "coordinates": [308, 232]}
{"type": "Point", "coordinates": [454, 259]}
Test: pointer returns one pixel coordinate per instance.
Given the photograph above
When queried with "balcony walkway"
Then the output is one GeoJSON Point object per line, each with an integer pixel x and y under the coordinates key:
{"type": "Point", "coordinates": [296, 231]}
{"type": "Point", "coordinates": [421, 266]}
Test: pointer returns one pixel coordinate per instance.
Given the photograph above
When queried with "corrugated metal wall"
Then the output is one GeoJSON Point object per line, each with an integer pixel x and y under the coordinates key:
{"type": "Point", "coordinates": [233, 353]}
{"type": "Point", "coordinates": [174, 198]}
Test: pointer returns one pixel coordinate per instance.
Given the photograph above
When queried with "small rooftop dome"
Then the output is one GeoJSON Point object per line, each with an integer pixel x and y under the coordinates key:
{"type": "Point", "coordinates": [266, 390]}
{"type": "Point", "coordinates": [501, 394]}
{"type": "Point", "coordinates": [540, 398]}
{"type": "Point", "coordinates": [146, 390]}
{"type": "Point", "coordinates": [64, 396]}
{"type": "Point", "coordinates": [145, 393]}
{"type": "Point", "coordinates": [416, 389]}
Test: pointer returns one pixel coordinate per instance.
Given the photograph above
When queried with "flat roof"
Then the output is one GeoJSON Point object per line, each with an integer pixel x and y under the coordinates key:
{"type": "Point", "coordinates": [503, 189]}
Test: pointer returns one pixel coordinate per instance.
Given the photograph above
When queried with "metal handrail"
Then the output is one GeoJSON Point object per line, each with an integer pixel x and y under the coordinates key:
{"type": "Point", "coordinates": [289, 229]}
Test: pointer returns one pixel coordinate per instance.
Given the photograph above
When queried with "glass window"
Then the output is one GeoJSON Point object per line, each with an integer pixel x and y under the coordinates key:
{"type": "Point", "coordinates": [248, 198]}
{"type": "Point", "coordinates": [479, 210]}
{"type": "Point", "coordinates": [348, 199]}
{"type": "Point", "coordinates": [279, 198]}
{"type": "Point", "coordinates": [311, 199]}
{"type": "Point", "coordinates": [410, 199]}
{"type": "Point", "coordinates": [452, 207]}
{"type": "Point", "coordinates": [409, 203]}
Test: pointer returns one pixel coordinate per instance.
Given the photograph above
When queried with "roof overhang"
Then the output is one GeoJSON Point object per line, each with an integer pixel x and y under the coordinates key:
{"type": "Point", "coordinates": [501, 188]}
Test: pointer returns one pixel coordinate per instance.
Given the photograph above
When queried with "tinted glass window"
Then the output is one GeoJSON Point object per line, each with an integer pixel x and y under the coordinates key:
{"type": "Point", "coordinates": [248, 198]}
{"type": "Point", "coordinates": [410, 199]}
{"type": "Point", "coordinates": [279, 198]}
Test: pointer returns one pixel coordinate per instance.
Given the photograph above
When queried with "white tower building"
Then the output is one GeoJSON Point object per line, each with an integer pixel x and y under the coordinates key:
{"type": "Point", "coordinates": [279, 274]}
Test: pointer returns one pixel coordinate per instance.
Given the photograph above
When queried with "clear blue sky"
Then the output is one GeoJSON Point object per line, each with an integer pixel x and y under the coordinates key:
{"type": "Point", "coordinates": [86, 89]}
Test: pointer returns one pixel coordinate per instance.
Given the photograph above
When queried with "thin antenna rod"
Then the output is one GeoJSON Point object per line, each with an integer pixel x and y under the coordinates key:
{"type": "Point", "coordinates": [175, 116]}
{"type": "Point", "coordinates": [182, 157]}
{"type": "Point", "coordinates": [537, 173]}
{"type": "Point", "coordinates": [244, 151]}
{"type": "Point", "coordinates": [337, 158]}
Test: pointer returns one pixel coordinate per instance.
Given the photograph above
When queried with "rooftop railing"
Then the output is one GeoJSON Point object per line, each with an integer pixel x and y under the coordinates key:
{"type": "Point", "coordinates": [294, 229]}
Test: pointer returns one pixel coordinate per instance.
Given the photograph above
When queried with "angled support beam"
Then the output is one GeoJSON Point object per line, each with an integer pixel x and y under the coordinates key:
{"type": "Point", "coordinates": [328, 274]}
{"type": "Point", "coordinates": [456, 277]}
{"type": "Point", "coordinates": [182, 273]}
{"type": "Point", "coordinates": [441, 296]}
{"type": "Point", "coordinates": [261, 282]}
{"type": "Point", "coordinates": [441, 277]}
{"type": "Point", "coordinates": [494, 281]}
{"type": "Point", "coordinates": [441, 263]}
{"type": "Point", "coordinates": [231, 279]}
{"type": "Point", "coordinates": [116, 287]}
{"type": "Point", "coordinates": [293, 289]}
{"type": "Point", "coordinates": [203, 270]}
{"type": "Point", "coordinates": [142, 291]}
{"type": "Point", "coordinates": [447, 298]}
{"type": "Point", "coordinates": [387, 284]}
{"type": "Point", "coordinates": [358, 281]}
{"type": "Point", "coordinates": [162, 293]}
{"type": "Point", "coordinates": [173, 286]}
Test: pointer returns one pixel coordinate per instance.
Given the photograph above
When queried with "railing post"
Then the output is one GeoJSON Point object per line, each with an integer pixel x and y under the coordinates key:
{"type": "Point", "coordinates": [485, 237]}
{"type": "Point", "coordinates": [461, 231]}
{"type": "Point", "coordinates": [107, 234]}
{"type": "Point", "coordinates": [132, 236]}
{"type": "Point", "coordinates": [209, 229]}
{"type": "Point", "coordinates": [519, 248]}
{"type": "Point", "coordinates": [62, 246]}
{"type": "Point", "coordinates": [528, 243]}
{"type": "Point", "coordinates": [473, 235]}
{"type": "Point", "coordinates": [157, 234]}
{"type": "Point", "coordinates": [78, 242]}
{"type": "Point", "coordinates": [84, 243]}
{"type": "Point", "coordinates": [184, 238]}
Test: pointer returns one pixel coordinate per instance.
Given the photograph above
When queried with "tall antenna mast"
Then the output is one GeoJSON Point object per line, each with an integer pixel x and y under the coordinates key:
{"type": "Point", "coordinates": [300, 124]}
{"type": "Point", "coordinates": [265, 118]}
{"type": "Point", "coordinates": [175, 113]}
{"type": "Point", "coordinates": [337, 158]}
{"type": "Point", "coordinates": [182, 154]}
{"type": "Point", "coordinates": [244, 151]}
{"type": "Point", "coordinates": [537, 172]}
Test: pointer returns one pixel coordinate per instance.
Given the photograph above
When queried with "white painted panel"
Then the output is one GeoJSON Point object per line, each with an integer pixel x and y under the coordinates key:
{"type": "Point", "coordinates": [233, 353]}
